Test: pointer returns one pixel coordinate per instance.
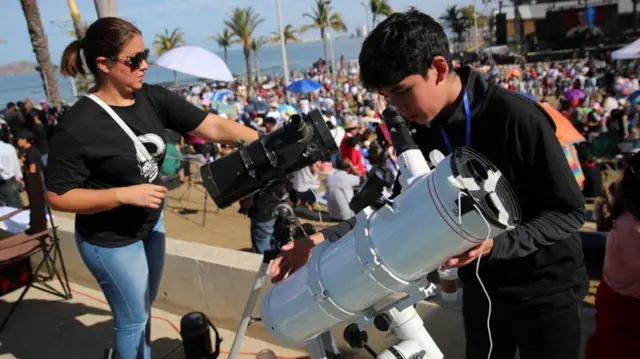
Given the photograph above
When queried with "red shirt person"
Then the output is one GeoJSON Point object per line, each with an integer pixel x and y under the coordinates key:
{"type": "Point", "coordinates": [349, 151]}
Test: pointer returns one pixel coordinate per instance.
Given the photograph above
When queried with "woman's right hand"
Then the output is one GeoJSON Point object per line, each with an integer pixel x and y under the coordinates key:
{"type": "Point", "coordinates": [143, 195]}
{"type": "Point", "coordinates": [294, 255]}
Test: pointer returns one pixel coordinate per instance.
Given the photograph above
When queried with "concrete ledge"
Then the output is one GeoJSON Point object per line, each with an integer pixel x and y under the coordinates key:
{"type": "Point", "coordinates": [196, 277]}
{"type": "Point", "coordinates": [217, 281]}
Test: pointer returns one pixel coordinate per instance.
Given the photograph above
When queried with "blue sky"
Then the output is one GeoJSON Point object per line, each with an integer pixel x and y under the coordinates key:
{"type": "Point", "coordinates": [196, 18]}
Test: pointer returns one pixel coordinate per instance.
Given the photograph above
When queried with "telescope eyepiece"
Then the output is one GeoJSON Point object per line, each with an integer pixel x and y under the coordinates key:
{"type": "Point", "coordinates": [295, 120]}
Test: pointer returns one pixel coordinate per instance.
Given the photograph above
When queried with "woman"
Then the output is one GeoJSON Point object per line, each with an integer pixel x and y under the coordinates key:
{"type": "Point", "coordinates": [98, 170]}
{"type": "Point", "coordinates": [617, 333]}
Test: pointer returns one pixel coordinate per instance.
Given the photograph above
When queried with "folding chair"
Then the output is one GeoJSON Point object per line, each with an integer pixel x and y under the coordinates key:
{"type": "Point", "coordinates": [20, 246]}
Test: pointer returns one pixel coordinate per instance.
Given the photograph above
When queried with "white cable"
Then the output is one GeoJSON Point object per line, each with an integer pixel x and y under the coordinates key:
{"type": "Point", "coordinates": [482, 247]}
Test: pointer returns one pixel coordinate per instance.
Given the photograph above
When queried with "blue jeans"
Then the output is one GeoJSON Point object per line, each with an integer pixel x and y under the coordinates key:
{"type": "Point", "coordinates": [129, 277]}
{"type": "Point", "coordinates": [261, 235]}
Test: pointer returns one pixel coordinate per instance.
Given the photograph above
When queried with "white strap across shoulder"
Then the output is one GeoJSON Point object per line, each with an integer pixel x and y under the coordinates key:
{"type": "Point", "coordinates": [141, 151]}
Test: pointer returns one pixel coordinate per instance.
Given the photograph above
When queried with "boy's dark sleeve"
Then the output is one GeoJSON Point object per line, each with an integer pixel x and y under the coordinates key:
{"type": "Point", "coordinates": [551, 190]}
{"type": "Point", "coordinates": [334, 233]}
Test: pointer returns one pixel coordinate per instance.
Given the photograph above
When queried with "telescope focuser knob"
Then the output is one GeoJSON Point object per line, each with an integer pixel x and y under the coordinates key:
{"type": "Point", "coordinates": [382, 322]}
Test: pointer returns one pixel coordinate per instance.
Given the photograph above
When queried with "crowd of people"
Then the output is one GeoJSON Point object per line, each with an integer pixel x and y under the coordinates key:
{"type": "Point", "coordinates": [109, 185]}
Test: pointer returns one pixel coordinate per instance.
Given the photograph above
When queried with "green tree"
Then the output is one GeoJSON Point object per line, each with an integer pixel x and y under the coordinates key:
{"type": "Point", "coordinates": [243, 23]}
{"type": "Point", "coordinates": [40, 46]}
{"type": "Point", "coordinates": [323, 17]}
{"type": "Point", "coordinates": [457, 23]}
{"type": "Point", "coordinates": [290, 35]}
{"type": "Point", "coordinates": [224, 39]}
{"type": "Point", "coordinates": [469, 12]}
{"type": "Point", "coordinates": [168, 41]}
{"type": "Point", "coordinates": [379, 8]}
{"type": "Point", "coordinates": [256, 44]}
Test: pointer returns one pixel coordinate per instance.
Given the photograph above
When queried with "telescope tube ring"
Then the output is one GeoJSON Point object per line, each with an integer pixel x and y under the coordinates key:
{"type": "Point", "coordinates": [322, 295]}
{"type": "Point", "coordinates": [367, 253]}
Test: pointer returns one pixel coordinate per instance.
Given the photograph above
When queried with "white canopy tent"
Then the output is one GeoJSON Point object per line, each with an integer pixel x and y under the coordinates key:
{"type": "Point", "coordinates": [631, 51]}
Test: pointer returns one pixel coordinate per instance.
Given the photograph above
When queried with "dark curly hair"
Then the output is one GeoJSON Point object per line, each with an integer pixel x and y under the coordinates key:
{"type": "Point", "coordinates": [627, 195]}
{"type": "Point", "coordinates": [404, 44]}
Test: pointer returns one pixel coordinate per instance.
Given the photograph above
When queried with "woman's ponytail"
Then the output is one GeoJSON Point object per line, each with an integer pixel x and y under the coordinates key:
{"type": "Point", "coordinates": [71, 63]}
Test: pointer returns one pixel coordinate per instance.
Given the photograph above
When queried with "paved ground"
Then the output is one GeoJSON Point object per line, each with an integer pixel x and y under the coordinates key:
{"type": "Point", "coordinates": [46, 327]}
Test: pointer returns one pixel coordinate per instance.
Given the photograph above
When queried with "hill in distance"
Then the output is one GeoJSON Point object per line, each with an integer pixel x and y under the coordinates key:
{"type": "Point", "coordinates": [18, 67]}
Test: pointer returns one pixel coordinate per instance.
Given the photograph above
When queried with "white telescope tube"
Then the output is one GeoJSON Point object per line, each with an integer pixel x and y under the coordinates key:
{"type": "Point", "coordinates": [393, 247]}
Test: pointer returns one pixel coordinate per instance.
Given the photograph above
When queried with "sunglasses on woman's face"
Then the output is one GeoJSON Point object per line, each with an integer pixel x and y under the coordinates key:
{"type": "Point", "coordinates": [134, 61]}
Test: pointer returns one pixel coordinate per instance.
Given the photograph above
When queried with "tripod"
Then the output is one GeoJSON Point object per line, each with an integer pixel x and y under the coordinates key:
{"type": "Point", "coordinates": [287, 227]}
{"type": "Point", "coordinates": [191, 184]}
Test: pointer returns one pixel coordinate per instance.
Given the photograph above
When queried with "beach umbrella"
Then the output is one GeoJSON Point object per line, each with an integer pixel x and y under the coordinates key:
{"type": "Point", "coordinates": [286, 111]}
{"type": "Point", "coordinates": [568, 137]}
{"type": "Point", "coordinates": [304, 86]}
{"type": "Point", "coordinates": [220, 95]}
{"type": "Point", "coordinates": [634, 98]}
{"type": "Point", "coordinates": [574, 94]}
{"type": "Point", "coordinates": [565, 131]}
{"type": "Point", "coordinates": [195, 61]}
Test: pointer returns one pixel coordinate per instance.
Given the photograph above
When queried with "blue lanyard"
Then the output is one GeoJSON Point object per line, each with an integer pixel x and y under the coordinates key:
{"type": "Point", "coordinates": [467, 113]}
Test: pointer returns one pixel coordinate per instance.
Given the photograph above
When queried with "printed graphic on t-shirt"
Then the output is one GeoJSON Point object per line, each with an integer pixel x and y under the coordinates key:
{"type": "Point", "coordinates": [156, 147]}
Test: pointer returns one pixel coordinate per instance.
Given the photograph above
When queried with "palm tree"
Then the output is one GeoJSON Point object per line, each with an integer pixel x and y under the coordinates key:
{"type": "Point", "coordinates": [457, 23]}
{"type": "Point", "coordinates": [323, 17]}
{"type": "Point", "coordinates": [169, 41]}
{"type": "Point", "coordinates": [243, 23]}
{"type": "Point", "coordinates": [379, 8]}
{"type": "Point", "coordinates": [290, 35]}
{"type": "Point", "coordinates": [469, 14]}
{"type": "Point", "coordinates": [79, 28]}
{"type": "Point", "coordinates": [41, 49]}
{"type": "Point", "coordinates": [74, 32]}
{"type": "Point", "coordinates": [256, 44]}
{"type": "Point", "coordinates": [224, 39]}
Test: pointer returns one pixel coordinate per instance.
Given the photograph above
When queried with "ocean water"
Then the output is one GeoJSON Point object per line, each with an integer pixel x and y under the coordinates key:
{"type": "Point", "coordinates": [301, 56]}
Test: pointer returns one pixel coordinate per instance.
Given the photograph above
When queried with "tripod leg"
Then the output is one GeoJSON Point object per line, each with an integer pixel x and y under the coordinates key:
{"type": "Point", "coordinates": [248, 309]}
{"type": "Point", "coordinates": [316, 348]}
{"type": "Point", "coordinates": [204, 212]}
{"type": "Point", "coordinates": [329, 343]}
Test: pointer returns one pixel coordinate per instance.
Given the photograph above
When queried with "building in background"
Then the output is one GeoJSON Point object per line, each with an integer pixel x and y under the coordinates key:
{"type": "Point", "coordinates": [362, 31]}
{"type": "Point", "coordinates": [551, 24]}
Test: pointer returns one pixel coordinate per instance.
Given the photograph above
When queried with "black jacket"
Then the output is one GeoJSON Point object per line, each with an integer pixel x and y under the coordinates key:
{"type": "Point", "coordinates": [266, 201]}
{"type": "Point", "coordinates": [543, 255]}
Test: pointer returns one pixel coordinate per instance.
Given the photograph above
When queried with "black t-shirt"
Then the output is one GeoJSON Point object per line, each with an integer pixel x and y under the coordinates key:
{"type": "Point", "coordinates": [32, 155]}
{"type": "Point", "coordinates": [41, 138]}
{"type": "Point", "coordinates": [89, 150]}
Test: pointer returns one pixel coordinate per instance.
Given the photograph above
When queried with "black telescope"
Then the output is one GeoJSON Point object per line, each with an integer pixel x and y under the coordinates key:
{"type": "Point", "coordinates": [300, 142]}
